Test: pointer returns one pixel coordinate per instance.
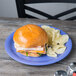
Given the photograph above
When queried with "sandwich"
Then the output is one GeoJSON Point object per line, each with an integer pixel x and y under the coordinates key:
{"type": "Point", "coordinates": [30, 40]}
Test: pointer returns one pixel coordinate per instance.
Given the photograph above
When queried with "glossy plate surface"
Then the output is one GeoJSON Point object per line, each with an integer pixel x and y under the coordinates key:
{"type": "Point", "coordinates": [35, 61]}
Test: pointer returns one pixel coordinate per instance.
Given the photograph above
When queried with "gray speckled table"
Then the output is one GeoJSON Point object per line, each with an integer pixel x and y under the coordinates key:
{"type": "Point", "coordinates": [9, 67]}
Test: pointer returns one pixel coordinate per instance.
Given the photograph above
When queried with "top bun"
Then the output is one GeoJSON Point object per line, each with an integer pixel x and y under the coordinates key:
{"type": "Point", "coordinates": [30, 35]}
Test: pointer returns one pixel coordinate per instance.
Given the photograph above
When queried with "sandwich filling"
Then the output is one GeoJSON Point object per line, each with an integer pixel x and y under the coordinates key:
{"type": "Point", "coordinates": [35, 51]}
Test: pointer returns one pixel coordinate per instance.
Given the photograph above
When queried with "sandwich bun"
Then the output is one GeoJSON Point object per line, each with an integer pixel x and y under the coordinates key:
{"type": "Point", "coordinates": [30, 35]}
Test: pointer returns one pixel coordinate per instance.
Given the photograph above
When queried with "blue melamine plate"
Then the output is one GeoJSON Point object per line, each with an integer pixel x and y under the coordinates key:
{"type": "Point", "coordinates": [35, 61]}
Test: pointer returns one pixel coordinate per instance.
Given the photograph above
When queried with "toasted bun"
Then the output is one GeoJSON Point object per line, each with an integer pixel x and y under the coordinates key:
{"type": "Point", "coordinates": [30, 36]}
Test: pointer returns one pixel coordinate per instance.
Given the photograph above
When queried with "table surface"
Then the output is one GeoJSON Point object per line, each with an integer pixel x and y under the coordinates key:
{"type": "Point", "coordinates": [9, 67]}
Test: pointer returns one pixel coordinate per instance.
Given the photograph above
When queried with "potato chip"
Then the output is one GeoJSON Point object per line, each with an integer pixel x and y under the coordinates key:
{"type": "Point", "coordinates": [64, 38]}
{"type": "Point", "coordinates": [52, 33]}
{"type": "Point", "coordinates": [56, 47]}
{"type": "Point", "coordinates": [49, 33]}
{"type": "Point", "coordinates": [56, 40]}
{"type": "Point", "coordinates": [61, 40]}
{"type": "Point", "coordinates": [60, 50]}
{"type": "Point", "coordinates": [57, 34]}
{"type": "Point", "coordinates": [51, 53]}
